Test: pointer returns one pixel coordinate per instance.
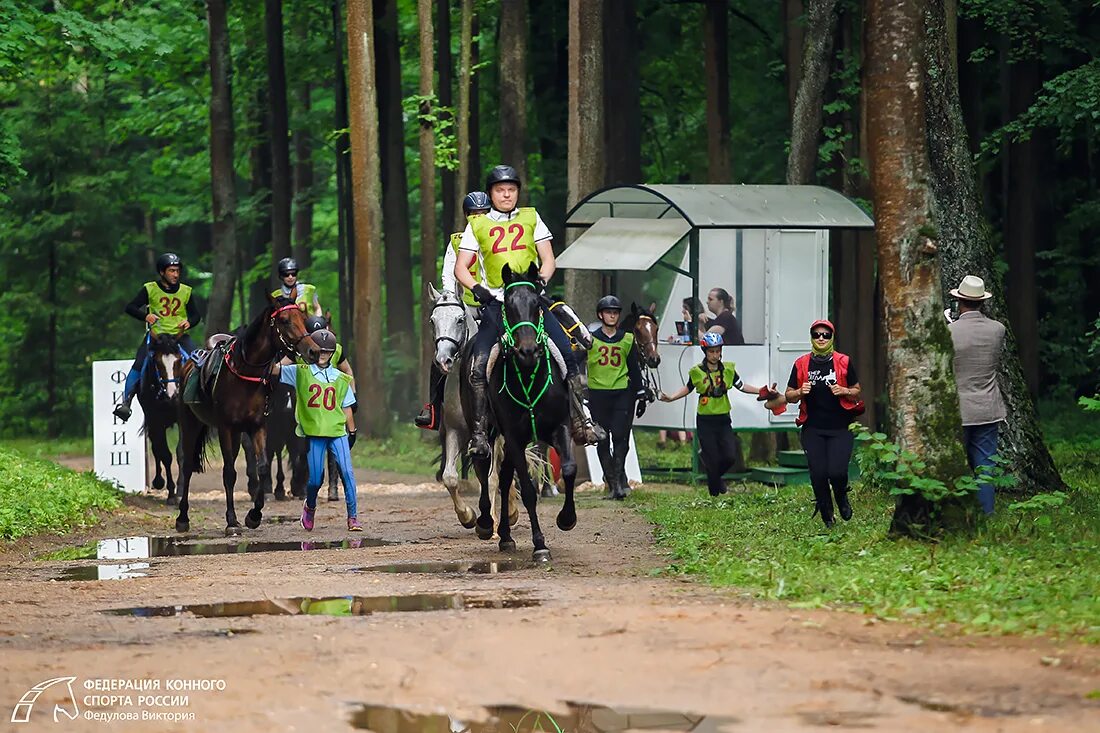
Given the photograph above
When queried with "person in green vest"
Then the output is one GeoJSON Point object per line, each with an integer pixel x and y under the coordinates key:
{"type": "Point", "coordinates": [475, 203]}
{"type": "Point", "coordinates": [322, 408]}
{"type": "Point", "coordinates": [712, 379]}
{"type": "Point", "coordinates": [168, 307]}
{"type": "Point", "coordinates": [339, 357]}
{"type": "Point", "coordinates": [515, 236]}
{"type": "Point", "coordinates": [614, 386]}
{"type": "Point", "coordinates": [302, 294]}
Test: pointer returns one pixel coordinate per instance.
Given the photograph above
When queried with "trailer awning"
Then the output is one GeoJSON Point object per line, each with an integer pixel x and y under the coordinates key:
{"type": "Point", "coordinates": [623, 244]}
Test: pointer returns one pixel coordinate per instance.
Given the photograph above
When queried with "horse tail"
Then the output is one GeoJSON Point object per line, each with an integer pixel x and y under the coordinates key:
{"type": "Point", "coordinates": [202, 442]}
{"type": "Point", "coordinates": [537, 463]}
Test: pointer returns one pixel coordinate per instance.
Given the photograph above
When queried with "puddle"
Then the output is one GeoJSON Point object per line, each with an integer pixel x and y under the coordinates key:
{"type": "Point", "coordinates": [105, 572]}
{"type": "Point", "coordinates": [485, 567]}
{"type": "Point", "coordinates": [579, 719]}
{"type": "Point", "coordinates": [337, 606]}
{"type": "Point", "coordinates": [137, 548]}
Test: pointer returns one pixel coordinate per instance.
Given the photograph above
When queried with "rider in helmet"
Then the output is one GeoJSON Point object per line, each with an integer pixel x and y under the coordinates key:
{"type": "Point", "coordinates": [339, 358]}
{"type": "Point", "coordinates": [168, 307]}
{"type": "Point", "coordinates": [528, 241]}
{"type": "Point", "coordinates": [614, 386]}
{"type": "Point", "coordinates": [712, 379]}
{"type": "Point", "coordinates": [304, 295]}
{"type": "Point", "coordinates": [475, 204]}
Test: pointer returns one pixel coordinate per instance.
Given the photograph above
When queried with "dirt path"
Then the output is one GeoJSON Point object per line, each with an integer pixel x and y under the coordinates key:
{"type": "Point", "coordinates": [607, 632]}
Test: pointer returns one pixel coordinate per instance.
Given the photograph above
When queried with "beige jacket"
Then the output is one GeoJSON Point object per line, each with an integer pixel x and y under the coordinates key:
{"type": "Point", "coordinates": [978, 342]}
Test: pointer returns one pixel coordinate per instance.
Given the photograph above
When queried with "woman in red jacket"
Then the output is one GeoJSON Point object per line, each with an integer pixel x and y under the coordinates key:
{"type": "Point", "coordinates": [826, 383]}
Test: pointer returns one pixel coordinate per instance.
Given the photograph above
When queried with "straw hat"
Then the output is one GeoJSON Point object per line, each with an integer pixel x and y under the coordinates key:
{"type": "Point", "coordinates": [972, 287]}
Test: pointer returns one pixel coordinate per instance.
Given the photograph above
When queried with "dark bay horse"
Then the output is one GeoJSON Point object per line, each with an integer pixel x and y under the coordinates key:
{"type": "Point", "coordinates": [530, 403]}
{"type": "Point", "coordinates": [239, 404]}
{"type": "Point", "coordinates": [158, 395]}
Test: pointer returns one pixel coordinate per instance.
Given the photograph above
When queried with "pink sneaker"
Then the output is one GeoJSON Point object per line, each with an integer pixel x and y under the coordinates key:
{"type": "Point", "coordinates": [353, 525]}
{"type": "Point", "coordinates": [307, 518]}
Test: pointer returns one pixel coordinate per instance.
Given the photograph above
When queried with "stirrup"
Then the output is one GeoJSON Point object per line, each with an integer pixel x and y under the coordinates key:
{"type": "Point", "coordinates": [428, 419]}
{"type": "Point", "coordinates": [122, 411]}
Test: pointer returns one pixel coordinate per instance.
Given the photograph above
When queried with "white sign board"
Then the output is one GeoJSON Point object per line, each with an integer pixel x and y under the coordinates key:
{"type": "Point", "coordinates": [119, 446]}
{"type": "Point", "coordinates": [595, 470]}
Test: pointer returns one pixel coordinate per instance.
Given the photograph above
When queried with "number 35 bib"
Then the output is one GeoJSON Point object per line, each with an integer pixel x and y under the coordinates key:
{"type": "Point", "coordinates": [501, 243]}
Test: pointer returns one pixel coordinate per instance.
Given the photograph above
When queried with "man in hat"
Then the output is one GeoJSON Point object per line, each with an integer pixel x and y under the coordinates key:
{"type": "Point", "coordinates": [978, 342]}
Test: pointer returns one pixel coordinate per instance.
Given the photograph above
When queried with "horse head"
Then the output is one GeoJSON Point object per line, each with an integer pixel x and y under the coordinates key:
{"type": "Point", "coordinates": [524, 335]}
{"type": "Point", "coordinates": [167, 361]}
{"type": "Point", "coordinates": [448, 326]}
{"type": "Point", "coordinates": [644, 327]}
{"type": "Point", "coordinates": [288, 321]}
{"type": "Point", "coordinates": [576, 329]}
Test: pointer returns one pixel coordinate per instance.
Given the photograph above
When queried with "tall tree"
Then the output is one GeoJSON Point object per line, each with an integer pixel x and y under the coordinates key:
{"type": "Point", "coordinates": [445, 69]}
{"type": "Point", "coordinates": [622, 92]}
{"type": "Point", "coordinates": [366, 182]}
{"type": "Point", "coordinates": [966, 247]}
{"type": "Point", "coordinates": [808, 106]}
{"type": "Point", "coordinates": [585, 171]}
{"type": "Point", "coordinates": [222, 175]}
{"type": "Point", "coordinates": [924, 406]}
{"type": "Point", "coordinates": [716, 65]}
{"type": "Point", "coordinates": [303, 169]}
{"type": "Point", "coordinates": [279, 126]}
{"type": "Point", "coordinates": [428, 234]}
{"type": "Point", "coordinates": [512, 47]}
{"type": "Point", "coordinates": [465, 74]}
{"type": "Point", "coordinates": [344, 199]}
{"type": "Point", "coordinates": [793, 40]}
{"type": "Point", "coordinates": [259, 163]}
{"type": "Point", "coordinates": [397, 238]}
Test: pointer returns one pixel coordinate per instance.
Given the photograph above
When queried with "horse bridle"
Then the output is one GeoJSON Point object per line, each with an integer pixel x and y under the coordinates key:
{"type": "Point", "coordinates": [450, 304]}
{"type": "Point", "coordinates": [289, 348]}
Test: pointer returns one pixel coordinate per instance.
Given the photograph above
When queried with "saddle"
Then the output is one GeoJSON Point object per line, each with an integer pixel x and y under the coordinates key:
{"type": "Point", "coordinates": [204, 375]}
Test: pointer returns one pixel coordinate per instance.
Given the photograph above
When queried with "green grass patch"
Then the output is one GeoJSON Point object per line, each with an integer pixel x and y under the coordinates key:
{"type": "Point", "coordinates": [49, 448]}
{"type": "Point", "coordinates": [404, 451]}
{"type": "Point", "coordinates": [39, 496]}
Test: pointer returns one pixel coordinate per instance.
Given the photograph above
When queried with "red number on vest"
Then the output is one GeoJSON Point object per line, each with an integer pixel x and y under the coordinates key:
{"type": "Point", "coordinates": [516, 244]}
{"type": "Point", "coordinates": [169, 307]}
{"type": "Point", "coordinates": [616, 356]}
{"type": "Point", "coordinates": [498, 232]}
{"type": "Point", "coordinates": [322, 396]}
{"type": "Point", "coordinates": [610, 355]}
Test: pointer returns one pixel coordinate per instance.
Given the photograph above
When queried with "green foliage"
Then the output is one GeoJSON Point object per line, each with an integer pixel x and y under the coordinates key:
{"type": "Point", "coordinates": [404, 451]}
{"type": "Point", "coordinates": [39, 496]}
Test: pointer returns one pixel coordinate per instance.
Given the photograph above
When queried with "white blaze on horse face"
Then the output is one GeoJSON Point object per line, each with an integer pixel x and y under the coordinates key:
{"type": "Point", "coordinates": [449, 327]}
{"type": "Point", "coordinates": [170, 363]}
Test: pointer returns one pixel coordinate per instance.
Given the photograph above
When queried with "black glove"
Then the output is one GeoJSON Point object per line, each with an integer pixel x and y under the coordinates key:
{"type": "Point", "coordinates": [351, 439]}
{"type": "Point", "coordinates": [639, 410]}
{"type": "Point", "coordinates": [482, 294]}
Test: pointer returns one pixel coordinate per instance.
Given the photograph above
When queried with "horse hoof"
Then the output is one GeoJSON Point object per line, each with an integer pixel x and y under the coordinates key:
{"type": "Point", "coordinates": [483, 533]}
{"type": "Point", "coordinates": [158, 484]}
{"type": "Point", "coordinates": [566, 523]}
{"type": "Point", "coordinates": [548, 491]}
{"type": "Point", "coordinates": [542, 555]}
{"type": "Point", "coordinates": [182, 526]}
{"type": "Point", "coordinates": [469, 522]}
{"type": "Point", "coordinates": [281, 497]}
{"type": "Point", "coordinates": [233, 530]}
{"type": "Point", "coordinates": [252, 522]}
{"type": "Point", "coordinates": [507, 546]}
{"type": "Point", "coordinates": [172, 500]}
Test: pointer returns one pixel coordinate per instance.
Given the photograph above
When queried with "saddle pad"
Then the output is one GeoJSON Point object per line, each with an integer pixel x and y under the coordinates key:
{"type": "Point", "coordinates": [554, 353]}
{"type": "Point", "coordinates": [191, 388]}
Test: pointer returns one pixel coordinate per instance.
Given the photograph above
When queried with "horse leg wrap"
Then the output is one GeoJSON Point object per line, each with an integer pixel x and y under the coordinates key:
{"type": "Point", "coordinates": [583, 431]}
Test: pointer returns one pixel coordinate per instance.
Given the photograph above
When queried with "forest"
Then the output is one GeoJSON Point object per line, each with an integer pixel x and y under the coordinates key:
{"type": "Point", "coordinates": [344, 134]}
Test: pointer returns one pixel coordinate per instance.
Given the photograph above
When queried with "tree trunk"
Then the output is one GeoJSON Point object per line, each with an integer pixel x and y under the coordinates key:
{"type": "Point", "coordinates": [586, 163]}
{"type": "Point", "coordinates": [445, 69]}
{"type": "Point", "coordinates": [366, 182]}
{"type": "Point", "coordinates": [259, 159]}
{"type": "Point", "coordinates": [806, 118]}
{"type": "Point", "coordinates": [462, 124]}
{"type": "Point", "coordinates": [397, 239]}
{"type": "Point", "coordinates": [1021, 222]}
{"type": "Point", "coordinates": [622, 92]}
{"type": "Point", "coordinates": [513, 85]}
{"type": "Point", "coordinates": [344, 203]}
{"type": "Point", "coordinates": [924, 405]}
{"type": "Point", "coordinates": [429, 237]}
{"type": "Point", "coordinates": [474, 183]}
{"type": "Point", "coordinates": [303, 183]}
{"type": "Point", "coordinates": [794, 37]}
{"type": "Point", "coordinates": [279, 126]}
{"type": "Point", "coordinates": [966, 247]}
{"type": "Point", "coordinates": [222, 175]}
{"type": "Point", "coordinates": [716, 65]}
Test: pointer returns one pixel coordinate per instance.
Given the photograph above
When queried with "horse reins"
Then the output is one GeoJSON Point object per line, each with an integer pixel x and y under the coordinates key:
{"type": "Point", "coordinates": [265, 379]}
{"type": "Point", "coordinates": [508, 342]}
{"type": "Point", "coordinates": [449, 304]}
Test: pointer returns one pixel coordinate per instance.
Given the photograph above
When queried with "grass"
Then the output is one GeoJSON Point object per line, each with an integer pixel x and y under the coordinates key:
{"type": "Point", "coordinates": [49, 448]}
{"type": "Point", "coordinates": [1024, 571]}
{"type": "Point", "coordinates": [404, 451]}
{"type": "Point", "coordinates": [39, 496]}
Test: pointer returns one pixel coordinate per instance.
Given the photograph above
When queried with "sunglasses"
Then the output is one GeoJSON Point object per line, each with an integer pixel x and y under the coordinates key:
{"type": "Point", "coordinates": [822, 335]}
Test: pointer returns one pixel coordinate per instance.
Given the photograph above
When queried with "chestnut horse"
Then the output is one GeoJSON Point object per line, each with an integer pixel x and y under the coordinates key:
{"type": "Point", "coordinates": [239, 404]}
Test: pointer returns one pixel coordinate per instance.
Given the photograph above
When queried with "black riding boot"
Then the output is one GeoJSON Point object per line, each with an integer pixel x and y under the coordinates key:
{"type": "Point", "coordinates": [622, 485]}
{"type": "Point", "coordinates": [842, 504]}
{"type": "Point", "coordinates": [431, 414]}
{"type": "Point", "coordinates": [583, 430]}
{"type": "Point", "coordinates": [479, 391]}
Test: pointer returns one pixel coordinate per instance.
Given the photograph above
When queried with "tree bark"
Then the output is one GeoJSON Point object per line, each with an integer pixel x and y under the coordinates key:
{"type": "Point", "coordinates": [622, 89]}
{"type": "Point", "coordinates": [966, 247]}
{"type": "Point", "coordinates": [222, 175]}
{"type": "Point", "coordinates": [259, 159]}
{"type": "Point", "coordinates": [279, 126]}
{"type": "Point", "coordinates": [586, 163]}
{"type": "Point", "coordinates": [344, 203]}
{"type": "Point", "coordinates": [462, 133]}
{"type": "Point", "coordinates": [429, 237]}
{"type": "Point", "coordinates": [512, 45]}
{"type": "Point", "coordinates": [924, 405]}
{"type": "Point", "coordinates": [806, 118]}
{"type": "Point", "coordinates": [366, 182]}
{"type": "Point", "coordinates": [474, 182]}
{"type": "Point", "coordinates": [716, 66]}
{"type": "Point", "coordinates": [397, 238]}
{"type": "Point", "coordinates": [445, 69]}
{"type": "Point", "coordinates": [303, 183]}
{"type": "Point", "coordinates": [794, 37]}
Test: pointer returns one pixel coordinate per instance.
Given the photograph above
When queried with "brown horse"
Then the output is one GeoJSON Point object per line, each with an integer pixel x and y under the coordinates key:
{"type": "Point", "coordinates": [643, 324]}
{"type": "Point", "coordinates": [239, 404]}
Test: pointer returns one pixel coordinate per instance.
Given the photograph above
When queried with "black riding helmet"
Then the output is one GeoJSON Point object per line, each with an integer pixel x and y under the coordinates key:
{"type": "Point", "coordinates": [316, 323]}
{"type": "Point", "coordinates": [288, 266]}
{"type": "Point", "coordinates": [168, 259]}
{"type": "Point", "coordinates": [325, 340]}
{"type": "Point", "coordinates": [609, 303]}
{"type": "Point", "coordinates": [476, 201]}
{"type": "Point", "coordinates": [502, 174]}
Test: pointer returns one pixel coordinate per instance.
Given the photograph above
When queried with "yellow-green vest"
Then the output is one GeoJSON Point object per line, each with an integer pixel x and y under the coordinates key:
{"type": "Point", "coordinates": [318, 405]}
{"type": "Point", "coordinates": [169, 308]}
{"type": "Point", "coordinates": [702, 382]}
{"type": "Point", "coordinates": [306, 294]}
{"type": "Point", "coordinates": [467, 296]}
{"type": "Point", "coordinates": [501, 243]}
{"type": "Point", "coordinates": [607, 363]}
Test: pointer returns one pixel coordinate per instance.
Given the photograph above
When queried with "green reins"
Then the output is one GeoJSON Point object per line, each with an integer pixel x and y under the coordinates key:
{"type": "Point", "coordinates": [508, 341]}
